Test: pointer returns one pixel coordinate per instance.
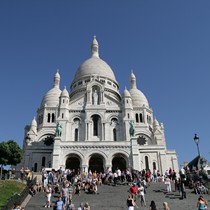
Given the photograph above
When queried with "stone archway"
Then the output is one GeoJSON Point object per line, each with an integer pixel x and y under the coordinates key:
{"type": "Point", "coordinates": [73, 163]}
{"type": "Point", "coordinates": [96, 163]}
{"type": "Point", "coordinates": [119, 162]}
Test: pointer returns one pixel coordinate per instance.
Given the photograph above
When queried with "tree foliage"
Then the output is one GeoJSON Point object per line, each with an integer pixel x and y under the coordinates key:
{"type": "Point", "coordinates": [4, 153]}
{"type": "Point", "coordinates": [16, 153]}
{"type": "Point", "coordinates": [10, 153]}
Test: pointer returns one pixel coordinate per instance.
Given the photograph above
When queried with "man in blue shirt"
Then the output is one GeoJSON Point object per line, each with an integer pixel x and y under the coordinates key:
{"type": "Point", "coordinates": [59, 204]}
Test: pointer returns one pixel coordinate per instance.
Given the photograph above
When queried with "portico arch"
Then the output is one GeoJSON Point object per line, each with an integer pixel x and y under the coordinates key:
{"type": "Point", "coordinates": [119, 161]}
{"type": "Point", "coordinates": [96, 163]}
{"type": "Point", "coordinates": [73, 162]}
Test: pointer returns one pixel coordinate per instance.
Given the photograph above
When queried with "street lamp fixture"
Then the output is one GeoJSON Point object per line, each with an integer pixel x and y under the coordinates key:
{"type": "Point", "coordinates": [196, 140]}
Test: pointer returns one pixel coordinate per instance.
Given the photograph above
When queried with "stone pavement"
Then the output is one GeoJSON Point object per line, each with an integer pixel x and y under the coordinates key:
{"type": "Point", "coordinates": [114, 198]}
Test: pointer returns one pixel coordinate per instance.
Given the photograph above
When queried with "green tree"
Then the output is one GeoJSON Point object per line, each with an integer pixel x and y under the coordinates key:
{"type": "Point", "coordinates": [15, 153]}
{"type": "Point", "coordinates": [10, 153]}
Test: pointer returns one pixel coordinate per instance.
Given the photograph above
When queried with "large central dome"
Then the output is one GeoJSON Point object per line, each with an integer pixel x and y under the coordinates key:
{"type": "Point", "coordinates": [94, 65]}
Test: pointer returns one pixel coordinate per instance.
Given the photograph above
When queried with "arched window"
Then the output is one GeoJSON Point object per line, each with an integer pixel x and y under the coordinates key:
{"type": "Point", "coordinates": [53, 117]}
{"type": "Point", "coordinates": [114, 134]}
{"type": "Point", "coordinates": [141, 117]}
{"type": "Point", "coordinates": [154, 165]}
{"type": "Point", "coordinates": [43, 161]}
{"type": "Point", "coordinates": [76, 134]}
{"type": "Point", "coordinates": [137, 118]}
{"type": "Point", "coordinates": [62, 115]}
{"type": "Point", "coordinates": [48, 117]}
{"type": "Point", "coordinates": [149, 119]}
{"type": "Point", "coordinates": [128, 116]}
{"type": "Point", "coordinates": [146, 163]}
{"type": "Point", "coordinates": [95, 125]}
{"type": "Point", "coordinates": [35, 167]}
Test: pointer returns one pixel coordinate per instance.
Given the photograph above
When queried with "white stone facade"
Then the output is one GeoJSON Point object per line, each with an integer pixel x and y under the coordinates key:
{"type": "Point", "coordinates": [95, 120]}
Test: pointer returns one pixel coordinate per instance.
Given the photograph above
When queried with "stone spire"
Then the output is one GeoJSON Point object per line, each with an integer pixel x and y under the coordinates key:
{"type": "Point", "coordinates": [133, 80]}
{"type": "Point", "coordinates": [57, 79]}
{"type": "Point", "coordinates": [95, 47]}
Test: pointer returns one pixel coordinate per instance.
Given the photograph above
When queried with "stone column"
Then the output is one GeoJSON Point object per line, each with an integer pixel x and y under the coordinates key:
{"type": "Point", "coordinates": [89, 97]}
{"type": "Point", "coordinates": [103, 132]}
{"type": "Point", "coordinates": [163, 162]}
{"type": "Point", "coordinates": [86, 131]}
{"type": "Point", "coordinates": [56, 154]}
{"type": "Point", "coordinates": [135, 154]}
{"type": "Point", "coordinates": [108, 167]}
{"type": "Point", "coordinates": [84, 169]}
{"type": "Point", "coordinates": [145, 116]}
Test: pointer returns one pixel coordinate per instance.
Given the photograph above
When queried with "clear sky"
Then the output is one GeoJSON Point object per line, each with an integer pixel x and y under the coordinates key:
{"type": "Point", "coordinates": [166, 43]}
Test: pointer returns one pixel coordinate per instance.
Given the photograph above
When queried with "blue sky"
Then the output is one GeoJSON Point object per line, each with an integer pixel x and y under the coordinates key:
{"type": "Point", "coordinates": [166, 43]}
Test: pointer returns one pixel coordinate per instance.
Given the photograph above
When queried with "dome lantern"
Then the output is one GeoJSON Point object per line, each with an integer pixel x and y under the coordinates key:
{"type": "Point", "coordinates": [94, 47]}
{"type": "Point", "coordinates": [133, 80]}
{"type": "Point", "coordinates": [57, 79]}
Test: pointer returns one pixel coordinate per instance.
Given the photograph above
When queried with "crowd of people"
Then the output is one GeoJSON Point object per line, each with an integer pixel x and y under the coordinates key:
{"type": "Point", "coordinates": [143, 179]}
{"type": "Point", "coordinates": [65, 184]}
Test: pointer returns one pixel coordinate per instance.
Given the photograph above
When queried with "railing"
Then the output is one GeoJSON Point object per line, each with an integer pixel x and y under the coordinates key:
{"type": "Point", "coordinates": [19, 198]}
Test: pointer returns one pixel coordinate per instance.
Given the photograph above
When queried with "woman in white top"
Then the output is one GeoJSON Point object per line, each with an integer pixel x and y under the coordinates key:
{"type": "Point", "coordinates": [48, 191]}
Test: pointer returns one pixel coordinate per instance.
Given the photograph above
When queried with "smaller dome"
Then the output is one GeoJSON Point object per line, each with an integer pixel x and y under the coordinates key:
{"type": "Point", "coordinates": [156, 123]}
{"type": "Point", "coordinates": [126, 93]}
{"type": "Point", "coordinates": [51, 98]}
{"type": "Point", "coordinates": [64, 93]}
{"type": "Point", "coordinates": [138, 98]}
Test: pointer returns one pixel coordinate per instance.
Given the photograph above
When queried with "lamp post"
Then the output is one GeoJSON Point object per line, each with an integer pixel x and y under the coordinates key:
{"type": "Point", "coordinates": [196, 140]}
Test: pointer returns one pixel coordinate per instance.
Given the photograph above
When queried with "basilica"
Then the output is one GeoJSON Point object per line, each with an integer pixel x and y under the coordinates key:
{"type": "Point", "coordinates": [95, 127]}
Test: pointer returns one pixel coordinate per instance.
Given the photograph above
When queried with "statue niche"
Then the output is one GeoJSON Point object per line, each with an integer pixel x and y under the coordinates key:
{"type": "Point", "coordinates": [95, 98]}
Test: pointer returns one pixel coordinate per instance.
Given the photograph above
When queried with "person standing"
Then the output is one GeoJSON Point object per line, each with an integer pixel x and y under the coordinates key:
{"type": "Point", "coordinates": [130, 203]}
{"type": "Point", "coordinates": [168, 184]}
{"type": "Point", "coordinates": [71, 190]}
{"type": "Point", "coordinates": [60, 172]}
{"type": "Point", "coordinates": [65, 193]}
{"type": "Point", "coordinates": [48, 191]}
{"type": "Point", "coordinates": [59, 205]}
{"type": "Point", "coordinates": [141, 195]}
{"type": "Point", "coordinates": [182, 189]}
{"type": "Point", "coordinates": [133, 191]}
